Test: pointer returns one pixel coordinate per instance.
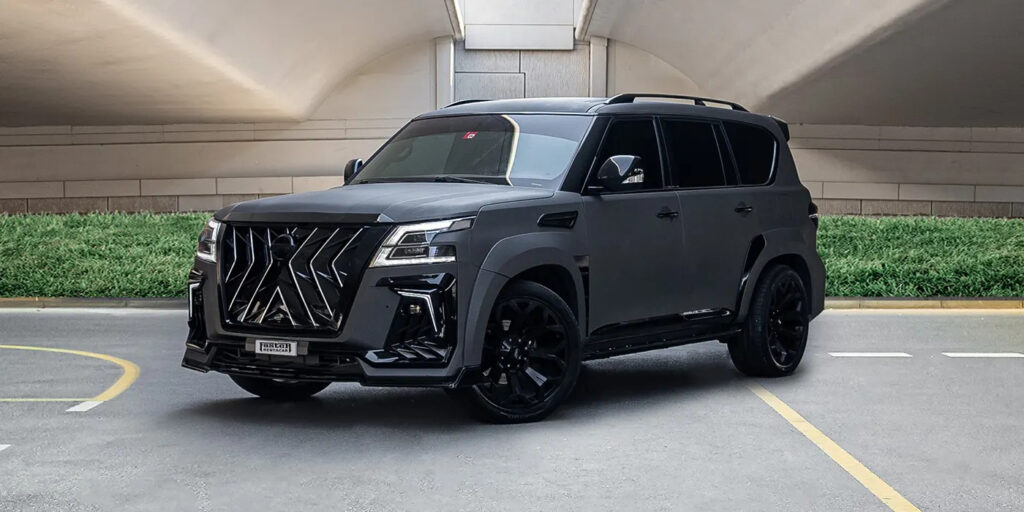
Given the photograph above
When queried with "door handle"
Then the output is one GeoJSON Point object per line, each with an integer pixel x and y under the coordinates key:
{"type": "Point", "coordinates": [665, 213]}
{"type": "Point", "coordinates": [743, 208]}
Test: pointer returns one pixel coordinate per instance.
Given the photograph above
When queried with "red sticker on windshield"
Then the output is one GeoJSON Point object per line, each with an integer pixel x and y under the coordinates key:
{"type": "Point", "coordinates": [469, 135]}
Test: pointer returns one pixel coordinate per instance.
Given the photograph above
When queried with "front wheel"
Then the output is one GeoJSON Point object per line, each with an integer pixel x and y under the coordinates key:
{"type": "Point", "coordinates": [276, 389]}
{"type": "Point", "coordinates": [775, 333]}
{"type": "Point", "coordinates": [532, 357]}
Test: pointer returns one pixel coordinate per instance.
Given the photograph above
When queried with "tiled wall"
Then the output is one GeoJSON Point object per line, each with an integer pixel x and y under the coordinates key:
{"type": "Point", "coordinates": [883, 170]}
{"type": "Point", "coordinates": [494, 74]}
{"type": "Point", "coordinates": [170, 195]}
{"type": "Point", "coordinates": [186, 167]}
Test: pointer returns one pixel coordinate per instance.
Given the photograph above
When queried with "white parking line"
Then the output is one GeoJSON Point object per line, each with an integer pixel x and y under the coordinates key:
{"type": "Point", "coordinates": [84, 406]}
{"type": "Point", "coordinates": [869, 354]}
{"type": "Point", "coordinates": [4, 447]}
{"type": "Point", "coordinates": [983, 354]}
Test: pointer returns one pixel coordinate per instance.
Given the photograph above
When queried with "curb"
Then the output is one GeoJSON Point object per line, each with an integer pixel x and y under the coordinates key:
{"type": "Point", "coordinates": [830, 303]}
{"type": "Point", "coordinates": [92, 302]}
{"type": "Point", "coordinates": [910, 303]}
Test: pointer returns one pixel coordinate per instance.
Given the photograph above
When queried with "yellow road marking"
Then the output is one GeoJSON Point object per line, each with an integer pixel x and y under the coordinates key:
{"type": "Point", "coordinates": [131, 370]}
{"type": "Point", "coordinates": [869, 480]}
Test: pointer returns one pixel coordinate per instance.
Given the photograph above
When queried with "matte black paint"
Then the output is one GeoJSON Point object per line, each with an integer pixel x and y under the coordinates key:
{"type": "Point", "coordinates": [641, 280]}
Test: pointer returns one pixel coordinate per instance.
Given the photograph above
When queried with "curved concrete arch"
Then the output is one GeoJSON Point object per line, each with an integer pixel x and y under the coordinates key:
{"type": "Point", "coordinates": [744, 50]}
{"type": "Point", "coordinates": [189, 61]}
{"type": "Point", "coordinates": [631, 69]}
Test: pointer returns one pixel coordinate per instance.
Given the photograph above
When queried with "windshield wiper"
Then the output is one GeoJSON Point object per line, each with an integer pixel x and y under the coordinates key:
{"type": "Point", "coordinates": [459, 179]}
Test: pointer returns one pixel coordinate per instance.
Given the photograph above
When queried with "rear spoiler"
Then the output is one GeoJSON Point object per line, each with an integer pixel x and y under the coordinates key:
{"type": "Point", "coordinates": [783, 125]}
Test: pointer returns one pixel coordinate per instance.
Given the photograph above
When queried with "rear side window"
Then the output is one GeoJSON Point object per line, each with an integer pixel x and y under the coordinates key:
{"type": "Point", "coordinates": [754, 149]}
{"type": "Point", "coordinates": [693, 155]}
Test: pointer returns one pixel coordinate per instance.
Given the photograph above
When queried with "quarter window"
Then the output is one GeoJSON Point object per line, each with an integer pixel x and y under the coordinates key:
{"type": "Point", "coordinates": [693, 154]}
{"type": "Point", "coordinates": [754, 149]}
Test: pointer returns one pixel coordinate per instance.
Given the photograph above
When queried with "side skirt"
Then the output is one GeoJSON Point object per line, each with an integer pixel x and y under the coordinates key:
{"type": "Point", "coordinates": [601, 347]}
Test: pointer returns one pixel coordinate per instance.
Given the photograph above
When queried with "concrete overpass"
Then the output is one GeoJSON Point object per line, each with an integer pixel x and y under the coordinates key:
{"type": "Point", "coordinates": [898, 106]}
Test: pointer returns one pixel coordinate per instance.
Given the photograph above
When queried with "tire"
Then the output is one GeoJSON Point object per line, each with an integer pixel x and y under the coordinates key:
{"type": "Point", "coordinates": [285, 391]}
{"type": "Point", "coordinates": [775, 333]}
{"type": "Point", "coordinates": [532, 357]}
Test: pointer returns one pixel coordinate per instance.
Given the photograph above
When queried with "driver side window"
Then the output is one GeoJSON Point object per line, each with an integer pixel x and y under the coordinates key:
{"type": "Point", "coordinates": [635, 137]}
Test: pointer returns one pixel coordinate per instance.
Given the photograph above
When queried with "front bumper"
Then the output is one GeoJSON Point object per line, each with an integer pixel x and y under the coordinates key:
{"type": "Point", "coordinates": [402, 329]}
{"type": "Point", "coordinates": [322, 365]}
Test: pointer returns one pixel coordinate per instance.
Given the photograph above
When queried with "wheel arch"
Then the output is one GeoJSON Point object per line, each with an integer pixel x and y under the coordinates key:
{"type": "Point", "coordinates": [544, 258]}
{"type": "Point", "coordinates": [774, 249]}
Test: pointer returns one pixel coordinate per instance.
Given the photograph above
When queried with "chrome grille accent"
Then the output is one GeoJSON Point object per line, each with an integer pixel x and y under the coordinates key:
{"type": "Point", "coordinates": [283, 278]}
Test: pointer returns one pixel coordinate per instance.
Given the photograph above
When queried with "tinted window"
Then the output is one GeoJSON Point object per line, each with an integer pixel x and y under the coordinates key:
{"type": "Point", "coordinates": [520, 150]}
{"type": "Point", "coordinates": [693, 156]}
{"type": "Point", "coordinates": [754, 149]}
{"type": "Point", "coordinates": [637, 138]}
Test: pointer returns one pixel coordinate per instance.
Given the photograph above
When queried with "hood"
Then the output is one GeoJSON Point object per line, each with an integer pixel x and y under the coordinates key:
{"type": "Point", "coordinates": [379, 202]}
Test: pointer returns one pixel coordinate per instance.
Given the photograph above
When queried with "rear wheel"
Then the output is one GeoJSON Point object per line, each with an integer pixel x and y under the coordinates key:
{"type": "Point", "coordinates": [531, 360]}
{"type": "Point", "coordinates": [277, 389]}
{"type": "Point", "coordinates": [775, 334]}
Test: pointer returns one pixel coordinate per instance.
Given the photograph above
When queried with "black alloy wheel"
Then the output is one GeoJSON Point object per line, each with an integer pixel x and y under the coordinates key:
{"type": "Point", "coordinates": [787, 322]}
{"type": "Point", "coordinates": [775, 332]}
{"type": "Point", "coordinates": [531, 356]}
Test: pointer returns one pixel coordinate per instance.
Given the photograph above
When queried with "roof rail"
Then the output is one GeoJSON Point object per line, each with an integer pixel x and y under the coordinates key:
{"type": "Point", "coordinates": [697, 100]}
{"type": "Point", "coordinates": [462, 102]}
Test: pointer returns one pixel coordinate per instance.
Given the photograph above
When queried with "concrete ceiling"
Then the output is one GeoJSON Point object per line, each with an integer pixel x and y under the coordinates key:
{"type": "Point", "coordinates": [880, 62]}
{"type": "Point", "coordinates": [159, 61]}
{"type": "Point", "coordinates": [959, 64]}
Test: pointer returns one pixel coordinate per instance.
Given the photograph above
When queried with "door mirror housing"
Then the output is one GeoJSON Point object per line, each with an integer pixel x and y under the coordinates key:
{"type": "Point", "coordinates": [621, 172]}
{"type": "Point", "coordinates": [352, 168]}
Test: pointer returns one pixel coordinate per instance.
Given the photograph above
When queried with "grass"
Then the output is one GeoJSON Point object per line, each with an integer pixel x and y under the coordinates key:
{"type": "Point", "coordinates": [922, 257]}
{"type": "Point", "coordinates": [144, 255]}
{"type": "Point", "coordinates": [97, 255]}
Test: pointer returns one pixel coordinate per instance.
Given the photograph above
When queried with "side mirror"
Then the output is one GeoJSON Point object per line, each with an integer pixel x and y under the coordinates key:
{"type": "Point", "coordinates": [620, 172]}
{"type": "Point", "coordinates": [352, 168]}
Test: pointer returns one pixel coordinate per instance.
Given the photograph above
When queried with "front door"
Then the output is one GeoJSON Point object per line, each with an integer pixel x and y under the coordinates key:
{"type": "Point", "coordinates": [636, 237]}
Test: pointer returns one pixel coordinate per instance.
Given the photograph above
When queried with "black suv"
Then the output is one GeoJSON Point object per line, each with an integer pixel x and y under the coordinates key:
{"type": "Point", "coordinates": [491, 247]}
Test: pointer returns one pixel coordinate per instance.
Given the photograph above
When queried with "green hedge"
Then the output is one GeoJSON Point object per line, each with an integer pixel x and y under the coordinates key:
{"type": "Point", "coordinates": [143, 255]}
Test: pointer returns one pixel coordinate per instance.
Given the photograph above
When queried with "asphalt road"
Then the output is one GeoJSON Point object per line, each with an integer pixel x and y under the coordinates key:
{"type": "Point", "coordinates": [672, 430]}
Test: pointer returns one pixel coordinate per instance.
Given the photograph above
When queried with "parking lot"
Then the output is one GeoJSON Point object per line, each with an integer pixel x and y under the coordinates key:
{"type": "Point", "coordinates": [925, 405]}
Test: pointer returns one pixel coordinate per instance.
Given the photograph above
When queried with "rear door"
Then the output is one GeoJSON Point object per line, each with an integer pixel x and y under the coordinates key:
{"type": "Point", "coordinates": [635, 235]}
{"type": "Point", "coordinates": [719, 218]}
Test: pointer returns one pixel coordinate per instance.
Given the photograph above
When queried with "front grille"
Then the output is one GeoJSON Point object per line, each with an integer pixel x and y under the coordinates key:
{"type": "Point", "coordinates": [292, 278]}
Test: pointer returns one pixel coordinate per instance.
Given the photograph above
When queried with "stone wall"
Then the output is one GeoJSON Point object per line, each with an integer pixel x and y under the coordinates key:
{"type": "Point", "coordinates": [893, 170]}
{"type": "Point", "coordinates": [496, 74]}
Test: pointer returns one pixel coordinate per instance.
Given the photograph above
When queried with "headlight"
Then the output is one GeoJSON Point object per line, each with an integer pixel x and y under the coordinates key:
{"type": "Point", "coordinates": [410, 244]}
{"type": "Point", "coordinates": [206, 249]}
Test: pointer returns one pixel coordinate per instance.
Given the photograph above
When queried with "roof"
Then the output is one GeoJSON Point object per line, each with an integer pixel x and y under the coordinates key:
{"type": "Point", "coordinates": [531, 105]}
{"type": "Point", "coordinates": [592, 106]}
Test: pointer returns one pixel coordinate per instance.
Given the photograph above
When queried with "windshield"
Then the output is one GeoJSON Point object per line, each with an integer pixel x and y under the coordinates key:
{"type": "Point", "coordinates": [523, 150]}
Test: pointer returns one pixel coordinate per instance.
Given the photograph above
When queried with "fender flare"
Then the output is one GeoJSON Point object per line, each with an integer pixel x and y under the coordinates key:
{"type": "Point", "coordinates": [778, 242]}
{"type": "Point", "coordinates": [506, 259]}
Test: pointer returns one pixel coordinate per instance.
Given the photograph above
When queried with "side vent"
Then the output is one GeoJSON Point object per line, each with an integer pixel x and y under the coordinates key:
{"type": "Point", "coordinates": [565, 220]}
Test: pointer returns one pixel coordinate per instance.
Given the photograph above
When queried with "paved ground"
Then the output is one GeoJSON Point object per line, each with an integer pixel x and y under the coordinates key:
{"type": "Point", "coordinates": [670, 430]}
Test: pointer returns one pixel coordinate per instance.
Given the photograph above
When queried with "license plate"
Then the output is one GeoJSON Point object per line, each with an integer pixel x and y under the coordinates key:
{"type": "Point", "coordinates": [277, 348]}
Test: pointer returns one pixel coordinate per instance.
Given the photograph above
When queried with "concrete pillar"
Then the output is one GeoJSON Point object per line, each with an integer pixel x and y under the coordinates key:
{"type": "Point", "coordinates": [445, 71]}
{"type": "Point", "coordinates": [598, 66]}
